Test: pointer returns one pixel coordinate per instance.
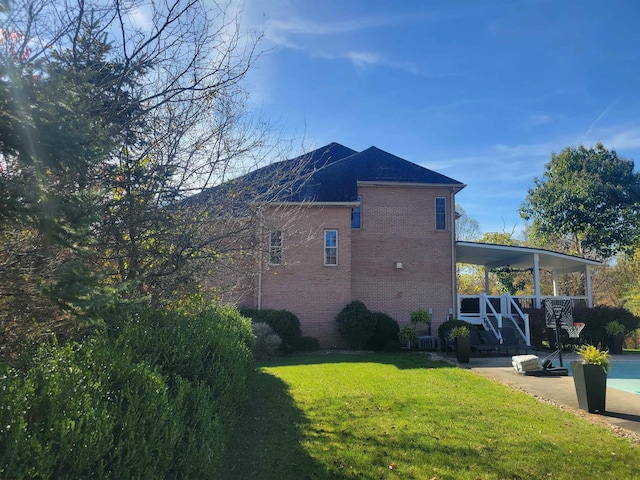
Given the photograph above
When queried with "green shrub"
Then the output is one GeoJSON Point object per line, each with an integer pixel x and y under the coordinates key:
{"type": "Point", "coordinates": [596, 319]}
{"type": "Point", "coordinates": [267, 341]}
{"type": "Point", "coordinates": [356, 324]}
{"type": "Point", "coordinates": [309, 344]}
{"type": "Point", "coordinates": [283, 322]}
{"type": "Point", "coordinates": [614, 328]}
{"type": "Point", "coordinates": [56, 418]}
{"type": "Point", "coordinates": [385, 333]}
{"type": "Point", "coordinates": [459, 332]}
{"type": "Point", "coordinates": [407, 334]}
{"type": "Point", "coordinates": [446, 327]}
{"type": "Point", "coordinates": [154, 396]}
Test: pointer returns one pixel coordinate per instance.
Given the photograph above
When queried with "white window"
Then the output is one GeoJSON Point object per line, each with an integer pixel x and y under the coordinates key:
{"type": "Point", "coordinates": [331, 247]}
{"type": "Point", "coordinates": [275, 247]}
{"type": "Point", "coordinates": [441, 213]}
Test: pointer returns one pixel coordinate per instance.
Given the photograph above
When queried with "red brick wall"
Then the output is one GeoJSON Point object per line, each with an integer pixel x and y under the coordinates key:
{"type": "Point", "coordinates": [398, 225]}
{"type": "Point", "coordinates": [303, 284]}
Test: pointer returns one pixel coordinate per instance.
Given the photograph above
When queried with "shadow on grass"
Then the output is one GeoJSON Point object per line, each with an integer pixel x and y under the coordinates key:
{"type": "Point", "coordinates": [267, 443]}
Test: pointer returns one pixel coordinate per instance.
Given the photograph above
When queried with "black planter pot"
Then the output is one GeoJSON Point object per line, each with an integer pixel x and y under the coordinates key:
{"type": "Point", "coordinates": [615, 344]}
{"type": "Point", "coordinates": [463, 349]}
{"type": "Point", "coordinates": [591, 386]}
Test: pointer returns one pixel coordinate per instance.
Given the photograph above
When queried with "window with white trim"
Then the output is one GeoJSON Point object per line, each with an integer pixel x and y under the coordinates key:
{"type": "Point", "coordinates": [275, 247]}
{"type": "Point", "coordinates": [441, 213]}
{"type": "Point", "coordinates": [331, 247]}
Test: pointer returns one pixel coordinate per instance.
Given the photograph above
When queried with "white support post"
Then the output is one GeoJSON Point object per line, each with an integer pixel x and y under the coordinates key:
{"type": "Point", "coordinates": [486, 280]}
{"type": "Point", "coordinates": [556, 286]}
{"type": "Point", "coordinates": [587, 280]}
{"type": "Point", "coordinates": [536, 279]}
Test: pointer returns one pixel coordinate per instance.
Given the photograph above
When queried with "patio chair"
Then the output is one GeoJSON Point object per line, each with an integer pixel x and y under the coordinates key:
{"type": "Point", "coordinates": [489, 338]}
{"type": "Point", "coordinates": [478, 345]}
{"type": "Point", "coordinates": [510, 340]}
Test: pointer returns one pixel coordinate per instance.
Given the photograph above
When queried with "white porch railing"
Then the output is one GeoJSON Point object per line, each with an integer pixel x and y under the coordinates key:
{"type": "Point", "coordinates": [492, 311]}
{"type": "Point", "coordinates": [495, 312]}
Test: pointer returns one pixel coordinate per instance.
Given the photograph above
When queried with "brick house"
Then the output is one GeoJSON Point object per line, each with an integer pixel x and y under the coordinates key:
{"type": "Point", "coordinates": [336, 225]}
{"type": "Point", "coordinates": [365, 226]}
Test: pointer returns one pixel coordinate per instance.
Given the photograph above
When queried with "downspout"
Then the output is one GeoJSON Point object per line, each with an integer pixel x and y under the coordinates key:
{"type": "Point", "coordinates": [454, 275]}
{"type": "Point", "coordinates": [260, 253]}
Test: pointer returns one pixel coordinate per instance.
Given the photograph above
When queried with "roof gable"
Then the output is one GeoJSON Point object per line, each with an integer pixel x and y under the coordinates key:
{"type": "Point", "coordinates": [328, 174]}
{"type": "Point", "coordinates": [338, 182]}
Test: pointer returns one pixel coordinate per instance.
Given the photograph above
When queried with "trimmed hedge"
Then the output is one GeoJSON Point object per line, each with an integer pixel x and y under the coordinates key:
{"type": "Point", "coordinates": [363, 328]}
{"type": "Point", "coordinates": [356, 324]}
{"type": "Point", "coordinates": [385, 333]}
{"type": "Point", "coordinates": [283, 322]}
{"type": "Point", "coordinates": [155, 395]}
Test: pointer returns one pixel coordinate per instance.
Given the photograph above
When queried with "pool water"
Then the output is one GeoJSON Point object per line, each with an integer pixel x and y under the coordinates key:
{"type": "Point", "coordinates": [623, 375]}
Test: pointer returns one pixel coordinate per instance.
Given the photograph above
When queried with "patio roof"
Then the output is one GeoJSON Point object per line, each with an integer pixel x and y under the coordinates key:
{"type": "Point", "coordinates": [523, 258]}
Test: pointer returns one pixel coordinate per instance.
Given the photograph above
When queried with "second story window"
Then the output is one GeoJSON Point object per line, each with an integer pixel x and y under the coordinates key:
{"type": "Point", "coordinates": [356, 214]}
{"type": "Point", "coordinates": [441, 213]}
{"type": "Point", "coordinates": [331, 247]}
{"type": "Point", "coordinates": [275, 247]}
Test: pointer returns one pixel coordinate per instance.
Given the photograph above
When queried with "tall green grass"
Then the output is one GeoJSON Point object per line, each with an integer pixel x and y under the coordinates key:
{"type": "Point", "coordinates": [403, 416]}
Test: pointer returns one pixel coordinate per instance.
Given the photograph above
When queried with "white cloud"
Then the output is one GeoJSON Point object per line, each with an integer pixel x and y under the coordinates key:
{"type": "Point", "coordinates": [627, 138]}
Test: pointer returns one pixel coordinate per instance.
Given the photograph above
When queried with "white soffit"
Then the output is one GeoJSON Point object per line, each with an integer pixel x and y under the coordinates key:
{"type": "Point", "coordinates": [522, 258]}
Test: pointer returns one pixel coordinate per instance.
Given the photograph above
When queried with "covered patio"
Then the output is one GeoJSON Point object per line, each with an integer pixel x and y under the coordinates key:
{"type": "Point", "coordinates": [492, 311]}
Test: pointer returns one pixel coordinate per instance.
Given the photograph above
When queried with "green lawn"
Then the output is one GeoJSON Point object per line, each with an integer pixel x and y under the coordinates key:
{"type": "Point", "coordinates": [401, 416]}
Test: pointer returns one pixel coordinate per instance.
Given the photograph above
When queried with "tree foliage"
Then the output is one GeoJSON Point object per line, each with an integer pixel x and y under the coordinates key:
{"type": "Point", "coordinates": [112, 115]}
{"type": "Point", "coordinates": [590, 197]}
{"type": "Point", "coordinates": [467, 228]}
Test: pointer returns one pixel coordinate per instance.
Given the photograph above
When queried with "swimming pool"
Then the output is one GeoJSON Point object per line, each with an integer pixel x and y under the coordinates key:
{"type": "Point", "coordinates": [624, 375]}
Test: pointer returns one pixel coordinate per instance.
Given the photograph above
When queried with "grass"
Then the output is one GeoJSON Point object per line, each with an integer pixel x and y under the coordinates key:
{"type": "Point", "coordinates": [402, 416]}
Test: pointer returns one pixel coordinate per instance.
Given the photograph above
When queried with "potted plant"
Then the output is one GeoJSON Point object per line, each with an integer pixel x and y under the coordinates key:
{"type": "Point", "coordinates": [421, 316]}
{"type": "Point", "coordinates": [616, 331]}
{"type": "Point", "coordinates": [461, 337]}
{"type": "Point", "coordinates": [590, 378]}
{"type": "Point", "coordinates": [407, 334]}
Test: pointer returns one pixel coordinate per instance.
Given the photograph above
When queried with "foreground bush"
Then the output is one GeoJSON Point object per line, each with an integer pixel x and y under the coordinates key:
{"type": "Point", "coordinates": [155, 396]}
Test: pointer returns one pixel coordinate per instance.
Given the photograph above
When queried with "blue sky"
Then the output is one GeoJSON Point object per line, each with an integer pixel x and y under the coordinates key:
{"type": "Point", "coordinates": [481, 91]}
